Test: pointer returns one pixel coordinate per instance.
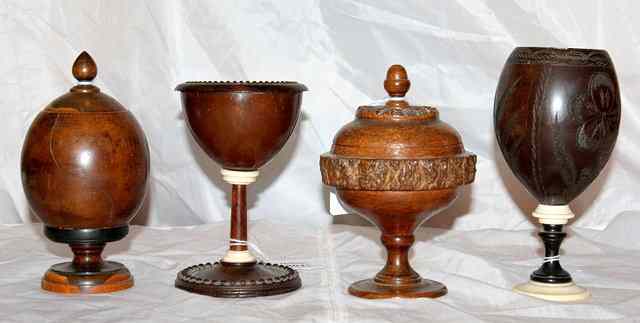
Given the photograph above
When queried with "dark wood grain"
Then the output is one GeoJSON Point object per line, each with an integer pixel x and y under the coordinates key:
{"type": "Point", "coordinates": [397, 165]}
{"type": "Point", "coordinates": [85, 164]}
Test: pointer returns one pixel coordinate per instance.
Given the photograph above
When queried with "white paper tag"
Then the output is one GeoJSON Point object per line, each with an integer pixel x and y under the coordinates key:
{"type": "Point", "coordinates": [335, 208]}
{"type": "Point", "coordinates": [297, 265]}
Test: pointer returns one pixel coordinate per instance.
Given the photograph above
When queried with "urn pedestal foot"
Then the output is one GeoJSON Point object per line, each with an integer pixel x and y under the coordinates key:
{"type": "Point", "coordinates": [397, 278]}
{"type": "Point", "coordinates": [66, 278]}
{"type": "Point", "coordinates": [238, 280]}
{"type": "Point", "coordinates": [565, 292]}
{"type": "Point", "coordinates": [370, 289]}
{"type": "Point", "coordinates": [88, 273]}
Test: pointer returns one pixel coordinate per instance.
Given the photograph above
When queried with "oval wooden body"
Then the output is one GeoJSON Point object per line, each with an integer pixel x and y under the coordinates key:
{"type": "Point", "coordinates": [241, 125]}
{"type": "Point", "coordinates": [556, 117]}
{"type": "Point", "coordinates": [85, 169]}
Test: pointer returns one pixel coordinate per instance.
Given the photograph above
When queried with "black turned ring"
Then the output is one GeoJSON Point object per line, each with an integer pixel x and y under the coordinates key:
{"type": "Point", "coordinates": [86, 235]}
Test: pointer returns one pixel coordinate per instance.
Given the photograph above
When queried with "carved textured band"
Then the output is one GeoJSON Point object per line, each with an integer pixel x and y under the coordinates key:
{"type": "Point", "coordinates": [397, 174]}
{"type": "Point", "coordinates": [406, 113]}
{"type": "Point", "coordinates": [559, 56]}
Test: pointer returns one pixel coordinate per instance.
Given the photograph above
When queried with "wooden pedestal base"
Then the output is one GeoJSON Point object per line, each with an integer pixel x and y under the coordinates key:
{"type": "Point", "coordinates": [68, 279]}
{"type": "Point", "coordinates": [566, 292]}
{"type": "Point", "coordinates": [236, 280]}
{"type": "Point", "coordinates": [368, 288]}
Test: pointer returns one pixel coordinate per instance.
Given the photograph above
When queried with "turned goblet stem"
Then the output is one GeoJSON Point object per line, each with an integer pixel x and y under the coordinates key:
{"type": "Point", "coordinates": [238, 250]}
{"type": "Point", "coordinates": [238, 217]}
{"type": "Point", "coordinates": [397, 270]}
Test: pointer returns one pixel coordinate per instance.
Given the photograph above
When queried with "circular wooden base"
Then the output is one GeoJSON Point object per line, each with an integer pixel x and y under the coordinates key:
{"type": "Point", "coordinates": [368, 288]}
{"type": "Point", "coordinates": [238, 280]}
{"type": "Point", "coordinates": [566, 292]}
{"type": "Point", "coordinates": [66, 279]}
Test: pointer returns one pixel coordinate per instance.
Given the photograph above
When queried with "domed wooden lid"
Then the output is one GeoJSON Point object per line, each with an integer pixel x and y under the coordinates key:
{"type": "Point", "coordinates": [397, 146]}
{"type": "Point", "coordinates": [84, 97]}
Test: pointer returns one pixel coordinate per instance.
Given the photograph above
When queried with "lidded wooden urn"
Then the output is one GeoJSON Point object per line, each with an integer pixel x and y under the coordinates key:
{"type": "Point", "coordinates": [397, 165]}
{"type": "Point", "coordinates": [85, 164]}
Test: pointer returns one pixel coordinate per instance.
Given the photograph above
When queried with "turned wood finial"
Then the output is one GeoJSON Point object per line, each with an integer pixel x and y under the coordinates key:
{"type": "Point", "coordinates": [397, 83]}
{"type": "Point", "coordinates": [84, 68]}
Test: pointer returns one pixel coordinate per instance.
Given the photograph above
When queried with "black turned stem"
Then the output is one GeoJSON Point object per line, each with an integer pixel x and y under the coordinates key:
{"type": "Point", "coordinates": [551, 272]}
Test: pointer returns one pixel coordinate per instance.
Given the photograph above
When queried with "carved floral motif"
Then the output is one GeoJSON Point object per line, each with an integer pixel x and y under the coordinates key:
{"type": "Point", "coordinates": [600, 114]}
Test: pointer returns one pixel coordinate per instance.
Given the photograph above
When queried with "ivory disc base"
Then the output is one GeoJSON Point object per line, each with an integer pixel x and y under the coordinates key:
{"type": "Point", "coordinates": [567, 292]}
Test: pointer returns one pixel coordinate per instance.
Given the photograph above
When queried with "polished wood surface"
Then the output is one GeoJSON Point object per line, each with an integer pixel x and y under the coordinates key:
{"type": "Point", "coordinates": [85, 160]}
{"type": "Point", "coordinates": [556, 118]}
{"type": "Point", "coordinates": [85, 164]}
{"type": "Point", "coordinates": [241, 126]}
{"type": "Point", "coordinates": [397, 165]}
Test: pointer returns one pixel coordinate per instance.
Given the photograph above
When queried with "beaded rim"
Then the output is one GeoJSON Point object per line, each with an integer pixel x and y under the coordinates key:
{"type": "Point", "coordinates": [214, 86]}
{"type": "Point", "coordinates": [560, 56]}
{"type": "Point", "coordinates": [186, 276]}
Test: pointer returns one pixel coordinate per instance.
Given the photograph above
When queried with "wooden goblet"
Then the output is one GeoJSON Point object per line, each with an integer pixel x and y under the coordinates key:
{"type": "Point", "coordinates": [240, 125]}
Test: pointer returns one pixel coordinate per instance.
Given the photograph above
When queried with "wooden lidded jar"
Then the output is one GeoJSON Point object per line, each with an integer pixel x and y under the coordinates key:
{"type": "Point", "coordinates": [85, 164]}
{"type": "Point", "coordinates": [397, 165]}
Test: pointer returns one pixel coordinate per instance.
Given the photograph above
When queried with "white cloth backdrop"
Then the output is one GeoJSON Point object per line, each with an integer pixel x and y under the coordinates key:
{"type": "Point", "coordinates": [453, 51]}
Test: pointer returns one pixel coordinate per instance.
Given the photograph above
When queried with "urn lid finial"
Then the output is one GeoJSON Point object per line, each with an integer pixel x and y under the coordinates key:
{"type": "Point", "coordinates": [397, 83]}
{"type": "Point", "coordinates": [84, 96]}
{"type": "Point", "coordinates": [84, 68]}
